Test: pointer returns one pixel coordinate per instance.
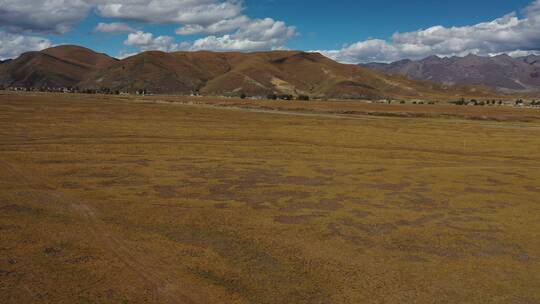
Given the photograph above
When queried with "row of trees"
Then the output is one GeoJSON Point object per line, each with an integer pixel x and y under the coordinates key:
{"type": "Point", "coordinates": [281, 97]}
{"type": "Point", "coordinates": [463, 102]}
{"type": "Point", "coordinates": [107, 91]}
{"type": "Point", "coordinates": [518, 102]}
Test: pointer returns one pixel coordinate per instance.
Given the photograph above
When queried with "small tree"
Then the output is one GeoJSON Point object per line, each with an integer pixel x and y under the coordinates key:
{"type": "Point", "coordinates": [303, 97]}
{"type": "Point", "coordinates": [243, 95]}
{"type": "Point", "coordinates": [285, 97]}
{"type": "Point", "coordinates": [271, 96]}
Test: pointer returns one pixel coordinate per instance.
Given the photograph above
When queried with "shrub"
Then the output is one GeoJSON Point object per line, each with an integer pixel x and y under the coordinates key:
{"type": "Point", "coordinates": [460, 102]}
{"type": "Point", "coordinates": [243, 95]}
{"type": "Point", "coordinates": [303, 97]}
{"type": "Point", "coordinates": [271, 96]}
{"type": "Point", "coordinates": [285, 97]}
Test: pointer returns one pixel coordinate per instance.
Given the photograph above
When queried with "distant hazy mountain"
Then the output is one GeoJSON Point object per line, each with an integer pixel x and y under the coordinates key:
{"type": "Point", "coordinates": [214, 73]}
{"type": "Point", "coordinates": [501, 72]}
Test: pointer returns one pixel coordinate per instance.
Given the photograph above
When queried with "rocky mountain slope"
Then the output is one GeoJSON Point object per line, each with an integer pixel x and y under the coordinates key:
{"type": "Point", "coordinates": [502, 72]}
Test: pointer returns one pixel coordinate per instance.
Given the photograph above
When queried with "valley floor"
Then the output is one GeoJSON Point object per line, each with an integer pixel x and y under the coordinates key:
{"type": "Point", "coordinates": [177, 200]}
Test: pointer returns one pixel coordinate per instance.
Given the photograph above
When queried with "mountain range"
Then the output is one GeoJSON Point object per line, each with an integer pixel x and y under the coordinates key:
{"type": "Point", "coordinates": [213, 73]}
{"type": "Point", "coordinates": [502, 73]}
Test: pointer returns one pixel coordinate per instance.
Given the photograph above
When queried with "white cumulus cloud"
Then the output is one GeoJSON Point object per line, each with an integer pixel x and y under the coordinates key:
{"type": "Point", "coordinates": [114, 27]}
{"type": "Point", "coordinates": [222, 20]}
{"type": "Point", "coordinates": [147, 42]}
{"type": "Point", "coordinates": [12, 45]}
{"type": "Point", "coordinates": [259, 34]}
{"type": "Point", "coordinates": [508, 34]}
{"type": "Point", "coordinates": [219, 27]}
{"type": "Point", "coordinates": [57, 16]}
{"type": "Point", "coordinates": [201, 12]}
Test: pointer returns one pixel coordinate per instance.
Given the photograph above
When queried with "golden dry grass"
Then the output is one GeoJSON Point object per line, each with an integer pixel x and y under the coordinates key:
{"type": "Point", "coordinates": [105, 200]}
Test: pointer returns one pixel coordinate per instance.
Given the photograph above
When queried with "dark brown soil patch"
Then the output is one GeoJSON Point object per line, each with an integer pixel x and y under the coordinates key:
{"type": "Point", "coordinates": [166, 191]}
{"type": "Point", "coordinates": [420, 221]}
{"type": "Point", "coordinates": [71, 185]}
{"type": "Point", "coordinates": [298, 219]}
{"type": "Point", "coordinates": [361, 213]}
{"type": "Point", "coordinates": [534, 189]}
{"type": "Point", "coordinates": [373, 229]}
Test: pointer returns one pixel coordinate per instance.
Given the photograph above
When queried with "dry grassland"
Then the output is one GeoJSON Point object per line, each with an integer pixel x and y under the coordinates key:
{"type": "Point", "coordinates": [108, 200]}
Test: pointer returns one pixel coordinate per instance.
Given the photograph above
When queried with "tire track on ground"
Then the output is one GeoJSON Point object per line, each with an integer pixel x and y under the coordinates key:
{"type": "Point", "coordinates": [161, 284]}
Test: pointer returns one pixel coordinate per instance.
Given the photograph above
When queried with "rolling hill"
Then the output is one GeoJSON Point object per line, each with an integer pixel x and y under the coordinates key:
{"type": "Point", "coordinates": [502, 73]}
{"type": "Point", "coordinates": [61, 66]}
{"type": "Point", "coordinates": [212, 73]}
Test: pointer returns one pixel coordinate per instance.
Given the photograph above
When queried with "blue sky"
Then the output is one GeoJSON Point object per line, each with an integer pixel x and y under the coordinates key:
{"type": "Point", "coordinates": [348, 31]}
{"type": "Point", "coordinates": [334, 23]}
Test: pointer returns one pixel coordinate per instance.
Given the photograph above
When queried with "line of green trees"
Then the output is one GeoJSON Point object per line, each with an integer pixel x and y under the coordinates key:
{"type": "Point", "coordinates": [463, 102]}
{"type": "Point", "coordinates": [287, 97]}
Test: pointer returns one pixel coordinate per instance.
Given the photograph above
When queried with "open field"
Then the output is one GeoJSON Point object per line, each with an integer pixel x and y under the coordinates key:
{"type": "Point", "coordinates": [135, 200]}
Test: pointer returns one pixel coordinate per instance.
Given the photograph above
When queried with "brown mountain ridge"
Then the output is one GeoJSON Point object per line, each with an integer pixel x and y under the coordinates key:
{"type": "Point", "coordinates": [62, 66]}
{"type": "Point", "coordinates": [214, 73]}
